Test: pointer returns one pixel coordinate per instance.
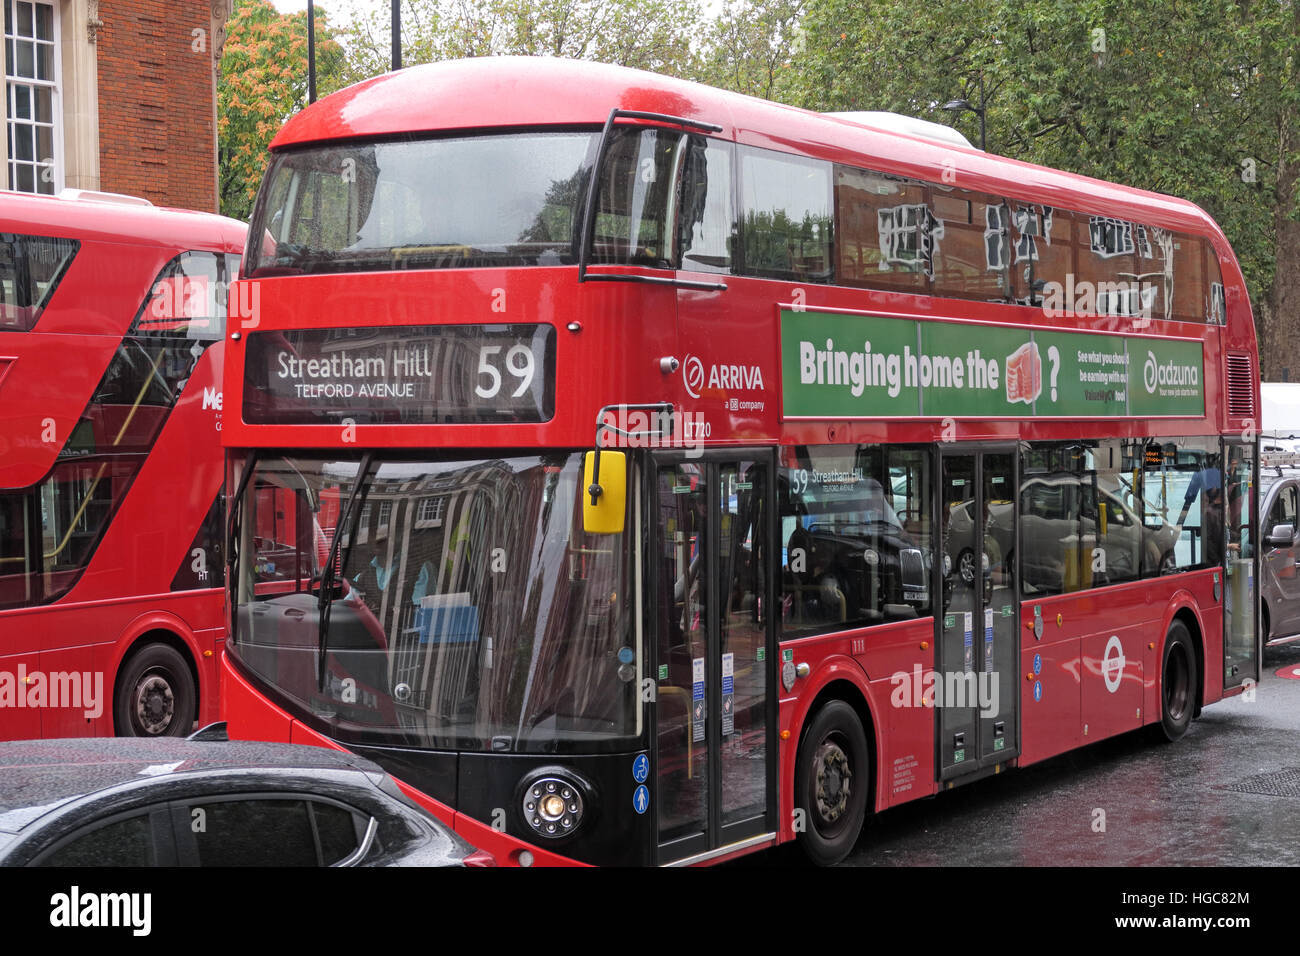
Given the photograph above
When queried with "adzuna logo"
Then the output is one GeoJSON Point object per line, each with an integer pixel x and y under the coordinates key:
{"type": "Point", "coordinates": [1153, 373]}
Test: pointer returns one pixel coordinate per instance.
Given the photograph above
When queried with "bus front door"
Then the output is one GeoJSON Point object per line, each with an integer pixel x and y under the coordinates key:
{"type": "Point", "coordinates": [712, 786]}
{"type": "Point", "coordinates": [977, 634]}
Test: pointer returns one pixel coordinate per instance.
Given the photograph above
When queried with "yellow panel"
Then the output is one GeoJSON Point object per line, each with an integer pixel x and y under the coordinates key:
{"type": "Point", "coordinates": [606, 515]}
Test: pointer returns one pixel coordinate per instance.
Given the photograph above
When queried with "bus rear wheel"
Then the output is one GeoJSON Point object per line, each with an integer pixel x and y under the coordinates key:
{"type": "Point", "coordinates": [156, 694]}
{"type": "Point", "coordinates": [1177, 682]}
{"type": "Point", "coordinates": [832, 780]}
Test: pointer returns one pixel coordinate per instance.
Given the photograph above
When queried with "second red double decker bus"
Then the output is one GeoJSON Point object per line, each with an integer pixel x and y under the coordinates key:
{"type": "Point", "coordinates": [112, 313]}
{"type": "Point", "coordinates": [648, 474]}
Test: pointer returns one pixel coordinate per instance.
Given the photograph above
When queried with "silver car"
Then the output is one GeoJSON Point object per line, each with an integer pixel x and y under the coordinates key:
{"type": "Point", "coordinates": [1280, 591]}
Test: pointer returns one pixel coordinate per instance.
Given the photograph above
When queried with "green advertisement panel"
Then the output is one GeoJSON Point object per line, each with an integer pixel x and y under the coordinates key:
{"type": "Point", "coordinates": [1168, 377]}
{"type": "Point", "coordinates": [858, 366]}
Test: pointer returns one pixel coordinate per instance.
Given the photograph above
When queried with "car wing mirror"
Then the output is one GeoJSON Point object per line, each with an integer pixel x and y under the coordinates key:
{"type": "Point", "coordinates": [1282, 536]}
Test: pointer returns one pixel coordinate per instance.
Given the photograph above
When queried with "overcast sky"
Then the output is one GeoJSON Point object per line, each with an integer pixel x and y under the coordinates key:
{"type": "Point", "coordinates": [340, 11]}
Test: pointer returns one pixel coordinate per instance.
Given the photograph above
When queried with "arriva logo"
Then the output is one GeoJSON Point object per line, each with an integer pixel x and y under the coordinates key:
{"type": "Point", "coordinates": [745, 377]}
{"type": "Point", "coordinates": [1153, 373]}
{"type": "Point", "coordinates": [212, 399]}
{"type": "Point", "coordinates": [693, 375]}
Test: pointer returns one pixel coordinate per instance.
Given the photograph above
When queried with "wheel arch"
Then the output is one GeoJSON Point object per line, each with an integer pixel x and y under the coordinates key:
{"type": "Point", "coordinates": [158, 628]}
{"type": "Point", "coordinates": [1183, 608]}
{"type": "Point", "coordinates": [837, 678]}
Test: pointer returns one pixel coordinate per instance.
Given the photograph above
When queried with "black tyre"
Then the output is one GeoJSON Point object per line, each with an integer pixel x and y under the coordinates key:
{"type": "Point", "coordinates": [833, 783]}
{"type": "Point", "coordinates": [1177, 682]}
{"type": "Point", "coordinates": [156, 696]}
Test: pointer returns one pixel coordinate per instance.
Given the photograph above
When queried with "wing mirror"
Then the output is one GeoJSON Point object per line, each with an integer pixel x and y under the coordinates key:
{"type": "Point", "coordinates": [1282, 536]}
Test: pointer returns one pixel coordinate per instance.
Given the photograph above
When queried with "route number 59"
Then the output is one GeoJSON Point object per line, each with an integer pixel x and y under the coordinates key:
{"type": "Point", "coordinates": [519, 362]}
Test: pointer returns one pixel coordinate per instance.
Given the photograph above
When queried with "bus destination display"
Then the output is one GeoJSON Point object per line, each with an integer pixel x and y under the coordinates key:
{"type": "Point", "coordinates": [422, 374]}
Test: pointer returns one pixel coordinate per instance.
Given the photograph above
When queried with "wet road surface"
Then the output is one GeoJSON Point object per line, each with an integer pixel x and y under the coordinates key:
{"type": "Point", "coordinates": [1228, 793]}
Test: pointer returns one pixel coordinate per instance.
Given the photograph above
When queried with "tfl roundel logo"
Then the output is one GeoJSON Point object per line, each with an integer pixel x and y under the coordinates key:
{"type": "Point", "coordinates": [693, 375]}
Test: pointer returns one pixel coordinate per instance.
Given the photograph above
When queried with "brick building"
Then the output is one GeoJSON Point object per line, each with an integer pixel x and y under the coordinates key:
{"type": "Point", "coordinates": [116, 95]}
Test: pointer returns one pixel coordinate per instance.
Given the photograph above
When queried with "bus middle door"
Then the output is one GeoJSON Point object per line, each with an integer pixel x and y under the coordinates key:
{"type": "Point", "coordinates": [977, 633]}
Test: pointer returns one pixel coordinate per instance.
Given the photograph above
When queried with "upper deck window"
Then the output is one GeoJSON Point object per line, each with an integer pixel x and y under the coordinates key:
{"type": "Point", "coordinates": [499, 200]}
{"type": "Point", "coordinates": [638, 181]}
{"type": "Point", "coordinates": [786, 224]}
{"type": "Point", "coordinates": [706, 223]}
{"type": "Point", "coordinates": [30, 268]}
{"type": "Point", "coordinates": [188, 299]}
{"type": "Point", "coordinates": [903, 235]}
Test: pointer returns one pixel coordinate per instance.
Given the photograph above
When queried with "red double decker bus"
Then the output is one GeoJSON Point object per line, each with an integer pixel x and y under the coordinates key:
{"type": "Point", "coordinates": [111, 505]}
{"type": "Point", "coordinates": [648, 474]}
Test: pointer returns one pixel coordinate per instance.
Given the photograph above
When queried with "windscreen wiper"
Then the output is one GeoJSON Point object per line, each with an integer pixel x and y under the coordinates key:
{"type": "Point", "coordinates": [235, 508]}
{"type": "Point", "coordinates": [325, 603]}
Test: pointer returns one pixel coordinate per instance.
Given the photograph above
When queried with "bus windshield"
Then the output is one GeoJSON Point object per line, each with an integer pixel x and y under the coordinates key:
{"type": "Point", "coordinates": [503, 200]}
{"type": "Point", "coordinates": [492, 200]}
{"type": "Point", "coordinates": [448, 627]}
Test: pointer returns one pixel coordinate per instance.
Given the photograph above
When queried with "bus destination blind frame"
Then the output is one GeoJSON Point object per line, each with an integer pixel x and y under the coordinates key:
{"type": "Point", "coordinates": [417, 374]}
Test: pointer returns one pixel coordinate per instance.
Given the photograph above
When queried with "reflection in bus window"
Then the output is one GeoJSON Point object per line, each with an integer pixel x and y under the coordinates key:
{"type": "Point", "coordinates": [375, 206]}
{"type": "Point", "coordinates": [641, 170]}
{"type": "Point", "coordinates": [30, 268]}
{"type": "Point", "coordinates": [851, 555]}
{"type": "Point", "coordinates": [1109, 511]}
{"type": "Point", "coordinates": [887, 237]}
{"type": "Point", "coordinates": [742, 566]}
{"type": "Point", "coordinates": [706, 223]}
{"type": "Point", "coordinates": [1184, 481]}
{"type": "Point", "coordinates": [444, 633]}
{"type": "Point", "coordinates": [786, 223]}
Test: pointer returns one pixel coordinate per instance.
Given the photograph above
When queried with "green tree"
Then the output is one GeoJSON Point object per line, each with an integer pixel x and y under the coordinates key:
{"type": "Point", "coordinates": [263, 82]}
{"type": "Point", "coordinates": [749, 48]}
{"type": "Point", "coordinates": [1196, 98]}
{"type": "Point", "coordinates": [646, 34]}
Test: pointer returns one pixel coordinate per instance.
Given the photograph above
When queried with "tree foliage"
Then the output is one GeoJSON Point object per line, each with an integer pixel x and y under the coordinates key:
{"type": "Point", "coordinates": [646, 34]}
{"type": "Point", "coordinates": [750, 46]}
{"type": "Point", "coordinates": [1196, 98]}
{"type": "Point", "coordinates": [263, 82]}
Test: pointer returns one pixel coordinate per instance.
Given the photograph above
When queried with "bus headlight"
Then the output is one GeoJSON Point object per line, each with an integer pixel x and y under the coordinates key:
{"type": "Point", "coordinates": [554, 803]}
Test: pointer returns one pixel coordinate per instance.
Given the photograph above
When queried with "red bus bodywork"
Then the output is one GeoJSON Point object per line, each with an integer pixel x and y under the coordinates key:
{"type": "Point", "coordinates": [611, 337]}
{"type": "Point", "coordinates": [144, 511]}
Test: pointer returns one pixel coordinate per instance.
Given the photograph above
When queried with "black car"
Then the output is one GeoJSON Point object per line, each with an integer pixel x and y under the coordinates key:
{"type": "Point", "coordinates": [208, 801]}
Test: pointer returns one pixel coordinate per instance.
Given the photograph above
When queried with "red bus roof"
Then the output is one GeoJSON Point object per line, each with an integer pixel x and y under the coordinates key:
{"type": "Point", "coordinates": [504, 92]}
{"type": "Point", "coordinates": [109, 221]}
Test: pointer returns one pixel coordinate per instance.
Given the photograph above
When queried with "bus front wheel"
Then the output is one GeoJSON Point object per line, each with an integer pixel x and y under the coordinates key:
{"type": "Point", "coordinates": [156, 694]}
{"type": "Point", "coordinates": [833, 781]}
{"type": "Point", "coordinates": [1177, 682]}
